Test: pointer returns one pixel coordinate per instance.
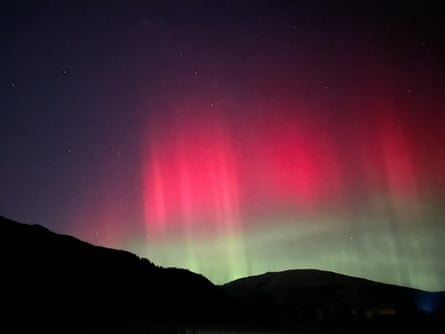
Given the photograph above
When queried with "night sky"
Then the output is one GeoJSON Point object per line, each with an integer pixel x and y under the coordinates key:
{"type": "Point", "coordinates": [231, 137]}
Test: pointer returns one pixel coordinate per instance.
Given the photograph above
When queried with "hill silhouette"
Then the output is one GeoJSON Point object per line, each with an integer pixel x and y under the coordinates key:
{"type": "Point", "coordinates": [326, 297]}
{"type": "Point", "coordinates": [49, 279]}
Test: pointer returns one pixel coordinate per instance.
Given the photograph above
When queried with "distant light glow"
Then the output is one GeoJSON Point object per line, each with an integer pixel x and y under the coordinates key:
{"type": "Point", "coordinates": [429, 302]}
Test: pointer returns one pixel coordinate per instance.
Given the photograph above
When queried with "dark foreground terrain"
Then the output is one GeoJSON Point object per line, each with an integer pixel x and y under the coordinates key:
{"type": "Point", "coordinates": [57, 283]}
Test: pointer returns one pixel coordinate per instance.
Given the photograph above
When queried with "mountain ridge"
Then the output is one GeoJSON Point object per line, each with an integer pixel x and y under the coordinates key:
{"type": "Point", "coordinates": [50, 277]}
{"type": "Point", "coordinates": [324, 295]}
{"type": "Point", "coordinates": [54, 276]}
{"type": "Point", "coordinates": [301, 272]}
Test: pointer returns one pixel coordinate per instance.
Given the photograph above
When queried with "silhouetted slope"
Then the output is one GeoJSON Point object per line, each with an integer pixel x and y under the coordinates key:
{"type": "Point", "coordinates": [321, 295]}
{"type": "Point", "coordinates": [51, 277]}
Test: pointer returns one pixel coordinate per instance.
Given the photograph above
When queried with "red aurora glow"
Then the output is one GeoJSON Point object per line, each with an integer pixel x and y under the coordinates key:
{"type": "Point", "coordinates": [200, 176]}
{"type": "Point", "coordinates": [192, 177]}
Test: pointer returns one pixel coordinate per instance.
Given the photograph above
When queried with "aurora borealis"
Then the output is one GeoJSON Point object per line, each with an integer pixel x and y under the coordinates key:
{"type": "Point", "coordinates": [290, 191]}
{"type": "Point", "coordinates": [231, 139]}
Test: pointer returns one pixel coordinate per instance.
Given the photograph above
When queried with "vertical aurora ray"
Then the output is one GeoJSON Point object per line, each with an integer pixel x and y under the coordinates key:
{"type": "Point", "coordinates": [192, 192]}
{"type": "Point", "coordinates": [287, 196]}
